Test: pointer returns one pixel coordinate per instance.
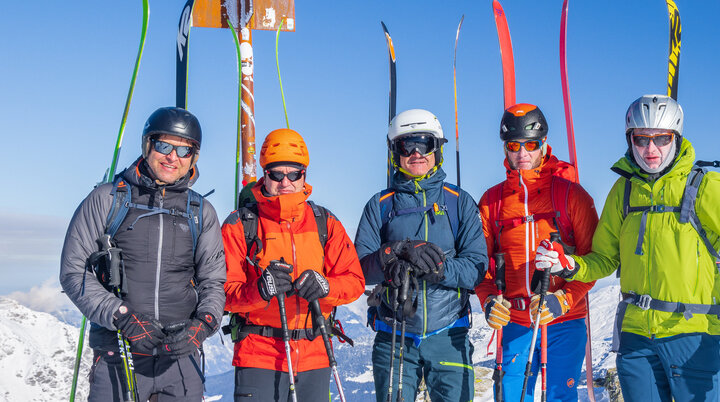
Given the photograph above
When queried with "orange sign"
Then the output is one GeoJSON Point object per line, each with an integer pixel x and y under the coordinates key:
{"type": "Point", "coordinates": [259, 14]}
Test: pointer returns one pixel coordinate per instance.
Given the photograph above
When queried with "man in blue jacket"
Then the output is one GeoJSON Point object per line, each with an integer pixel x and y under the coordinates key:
{"type": "Point", "coordinates": [422, 242]}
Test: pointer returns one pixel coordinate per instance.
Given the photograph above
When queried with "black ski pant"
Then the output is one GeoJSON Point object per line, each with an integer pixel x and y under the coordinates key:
{"type": "Point", "coordinates": [254, 384]}
{"type": "Point", "coordinates": [178, 380]}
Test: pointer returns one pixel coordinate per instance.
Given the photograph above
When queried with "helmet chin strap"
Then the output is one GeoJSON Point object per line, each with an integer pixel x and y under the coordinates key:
{"type": "Point", "coordinates": [669, 157]}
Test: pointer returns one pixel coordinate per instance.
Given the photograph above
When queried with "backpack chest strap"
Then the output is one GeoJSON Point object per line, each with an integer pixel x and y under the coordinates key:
{"type": "Point", "coordinates": [514, 222]}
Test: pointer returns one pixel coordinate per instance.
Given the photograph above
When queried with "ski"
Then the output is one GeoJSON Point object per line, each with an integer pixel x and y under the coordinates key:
{"type": "Point", "coordinates": [110, 173]}
{"type": "Point", "coordinates": [674, 52]}
{"type": "Point", "coordinates": [457, 130]}
{"type": "Point", "coordinates": [573, 160]}
{"type": "Point", "coordinates": [506, 54]}
{"type": "Point", "coordinates": [181, 59]}
{"type": "Point", "coordinates": [238, 145]}
{"type": "Point", "coordinates": [392, 95]}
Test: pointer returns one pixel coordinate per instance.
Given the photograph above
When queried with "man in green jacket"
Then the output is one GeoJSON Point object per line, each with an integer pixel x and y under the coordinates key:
{"type": "Point", "coordinates": [665, 238]}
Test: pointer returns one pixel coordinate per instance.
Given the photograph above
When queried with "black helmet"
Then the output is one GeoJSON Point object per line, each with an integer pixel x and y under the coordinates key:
{"type": "Point", "coordinates": [523, 122]}
{"type": "Point", "coordinates": [172, 121]}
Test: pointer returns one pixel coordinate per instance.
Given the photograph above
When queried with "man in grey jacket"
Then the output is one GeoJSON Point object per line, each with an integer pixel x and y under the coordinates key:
{"type": "Point", "coordinates": [168, 296]}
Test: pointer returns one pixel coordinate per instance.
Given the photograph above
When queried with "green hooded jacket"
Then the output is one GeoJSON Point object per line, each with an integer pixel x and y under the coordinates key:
{"type": "Point", "coordinates": [675, 265]}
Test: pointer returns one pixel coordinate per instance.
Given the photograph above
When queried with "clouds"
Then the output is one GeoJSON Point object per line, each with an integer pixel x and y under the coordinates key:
{"type": "Point", "coordinates": [46, 297]}
{"type": "Point", "coordinates": [30, 247]}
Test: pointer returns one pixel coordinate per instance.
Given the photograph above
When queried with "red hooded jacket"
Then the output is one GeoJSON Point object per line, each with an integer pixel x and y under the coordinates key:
{"type": "Point", "coordinates": [524, 193]}
{"type": "Point", "coordinates": [287, 228]}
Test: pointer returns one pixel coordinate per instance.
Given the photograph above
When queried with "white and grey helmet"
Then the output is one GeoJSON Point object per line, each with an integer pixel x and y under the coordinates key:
{"type": "Point", "coordinates": [654, 111]}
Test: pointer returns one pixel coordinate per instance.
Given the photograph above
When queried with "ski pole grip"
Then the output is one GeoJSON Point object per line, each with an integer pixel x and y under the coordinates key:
{"type": "Point", "coordinates": [545, 284]}
{"type": "Point", "coordinates": [320, 322]}
{"type": "Point", "coordinates": [283, 316]}
{"type": "Point", "coordinates": [405, 286]}
{"type": "Point", "coordinates": [500, 272]}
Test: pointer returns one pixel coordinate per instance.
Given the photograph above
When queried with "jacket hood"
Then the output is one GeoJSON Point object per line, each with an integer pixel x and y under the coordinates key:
{"type": "Point", "coordinates": [285, 207]}
{"type": "Point", "coordinates": [138, 174]}
{"type": "Point", "coordinates": [402, 183]}
{"type": "Point", "coordinates": [683, 163]}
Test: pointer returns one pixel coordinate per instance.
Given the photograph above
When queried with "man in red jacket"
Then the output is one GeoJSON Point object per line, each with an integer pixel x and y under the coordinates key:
{"type": "Point", "coordinates": [536, 199]}
{"type": "Point", "coordinates": [289, 259]}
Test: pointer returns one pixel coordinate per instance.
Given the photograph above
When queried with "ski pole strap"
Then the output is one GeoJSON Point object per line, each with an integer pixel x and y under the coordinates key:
{"type": "Point", "coordinates": [646, 302]}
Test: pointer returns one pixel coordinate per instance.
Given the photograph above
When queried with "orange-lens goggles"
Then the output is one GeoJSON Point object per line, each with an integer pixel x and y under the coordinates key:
{"type": "Point", "coordinates": [660, 140]}
{"type": "Point", "coordinates": [514, 146]}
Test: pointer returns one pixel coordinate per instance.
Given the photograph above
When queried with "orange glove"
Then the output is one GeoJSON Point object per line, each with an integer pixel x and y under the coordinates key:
{"type": "Point", "coordinates": [497, 311]}
{"type": "Point", "coordinates": [556, 305]}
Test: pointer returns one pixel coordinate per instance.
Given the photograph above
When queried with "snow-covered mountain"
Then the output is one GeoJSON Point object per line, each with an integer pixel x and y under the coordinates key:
{"type": "Point", "coordinates": [37, 352]}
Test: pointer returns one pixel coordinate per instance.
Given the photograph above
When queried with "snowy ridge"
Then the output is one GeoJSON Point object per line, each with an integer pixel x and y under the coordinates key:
{"type": "Point", "coordinates": [37, 352]}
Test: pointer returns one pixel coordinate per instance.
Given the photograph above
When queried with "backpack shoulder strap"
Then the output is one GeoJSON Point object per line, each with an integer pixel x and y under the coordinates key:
{"type": "Point", "coordinates": [560, 192]}
{"type": "Point", "coordinates": [687, 208]}
{"type": "Point", "coordinates": [321, 215]}
{"type": "Point", "coordinates": [626, 197]}
{"type": "Point", "coordinates": [122, 196]}
{"type": "Point", "coordinates": [248, 215]}
{"type": "Point", "coordinates": [194, 210]}
{"type": "Point", "coordinates": [452, 197]}
{"type": "Point", "coordinates": [386, 205]}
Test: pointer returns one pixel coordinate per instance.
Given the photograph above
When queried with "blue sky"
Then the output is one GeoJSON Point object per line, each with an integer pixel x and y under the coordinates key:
{"type": "Point", "coordinates": [67, 65]}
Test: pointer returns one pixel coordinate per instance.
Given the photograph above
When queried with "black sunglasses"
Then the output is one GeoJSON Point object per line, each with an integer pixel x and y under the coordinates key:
{"type": "Point", "coordinates": [182, 151]}
{"type": "Point", "coordinates": [277, 176]}
{"type": "Point", "coordinates": [424, 144]}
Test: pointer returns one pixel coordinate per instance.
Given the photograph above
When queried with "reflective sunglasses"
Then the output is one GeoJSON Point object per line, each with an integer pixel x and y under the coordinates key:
{"type": "Point", "coordinates": [182, 151]}
{"type": "Point", "coordinates": [530, 146]}
{"type": "Point", "coordinates": [277, 176]}
{"type": "Point", "coordinates": [660, 140]}
{"type": "Point", "coordinates": [424, 144]}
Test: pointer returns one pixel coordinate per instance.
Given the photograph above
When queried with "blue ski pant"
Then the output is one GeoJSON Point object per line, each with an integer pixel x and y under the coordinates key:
{"type": "Point", "coordinates": [683, 367]}
{"type": "Point", "coordinates": [443, 359]}
{"type": "Point", "coordinates": [565, 354]}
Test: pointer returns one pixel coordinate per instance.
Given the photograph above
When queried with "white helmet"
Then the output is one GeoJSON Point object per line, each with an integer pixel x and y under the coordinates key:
{"type": "Point", "coordinates": [655, 111]}
{"type": "Point", "coordinates": [414, 121]}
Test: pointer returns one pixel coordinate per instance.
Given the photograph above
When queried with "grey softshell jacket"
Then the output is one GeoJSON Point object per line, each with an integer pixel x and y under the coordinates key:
{"type": "Point", "coordinates": [165, 280]}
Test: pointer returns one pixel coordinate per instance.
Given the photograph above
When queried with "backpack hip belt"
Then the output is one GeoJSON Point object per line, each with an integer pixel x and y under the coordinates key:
{"type": "Point", "coordinates": [647, 302]}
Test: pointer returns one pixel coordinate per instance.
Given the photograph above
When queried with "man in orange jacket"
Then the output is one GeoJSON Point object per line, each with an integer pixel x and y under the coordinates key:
{"type": "Point", "coordinates": [288, 258]}
{"type": "Point", "coordinates": [536, 199]}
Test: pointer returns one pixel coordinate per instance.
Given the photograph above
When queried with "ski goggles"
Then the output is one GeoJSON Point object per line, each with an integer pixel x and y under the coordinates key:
{"type": "Point", "coordinates": [277, 176]}
{"type": "Point", "coordinates": [165, 148]}
{"type": "Point", "coordinates": [422, 143]}
{"type": "Point", "coordinates": [660, 140]}
{"type": "Point", "coordinates": [530, 146]}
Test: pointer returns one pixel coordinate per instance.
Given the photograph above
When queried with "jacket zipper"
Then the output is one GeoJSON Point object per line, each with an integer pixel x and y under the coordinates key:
{"type": "Point", "coordinates": [425, 218]}
{"type": "Point", "coordinates": [159, 257]}
{"type": "Point", "coordinates": [297, 298]}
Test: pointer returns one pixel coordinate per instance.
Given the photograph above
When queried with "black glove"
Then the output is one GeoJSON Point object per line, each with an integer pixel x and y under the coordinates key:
{"type": "Point", "coordinates": [390, 252]}
{"type": "Point", "coordinates": [275, 279]}
{"type": "Point", "coordinates": [186, 336]}
{"type": "Point", "coordinates": [395, 272]}
{"type": "Point", "coordinates": [142, 331]}
{"type": "Point", "coordinates": [311, 285]}
{"type": "Point", "coordinates": [434, 277]}
{"type": "Point", "coordinates": [426, 257]}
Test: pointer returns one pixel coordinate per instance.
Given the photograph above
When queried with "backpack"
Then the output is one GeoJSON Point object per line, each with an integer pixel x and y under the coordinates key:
{"type": "Point", "coordinates": [686, 208]}
{"type": "Point", "coordinates": [559, 193]}
{"type": "Point", "coordinates": [450, 208]}
{"type": "Point", "coordinates": [122, 202]}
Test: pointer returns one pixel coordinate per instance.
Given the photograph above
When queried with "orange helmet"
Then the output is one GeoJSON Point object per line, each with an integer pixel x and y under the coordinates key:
{"type": "Point", "coordinates": [284, 145]}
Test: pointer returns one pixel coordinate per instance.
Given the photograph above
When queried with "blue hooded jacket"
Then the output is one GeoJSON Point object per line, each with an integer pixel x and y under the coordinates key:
{"type": "Point", "coordinates": [441, 305]}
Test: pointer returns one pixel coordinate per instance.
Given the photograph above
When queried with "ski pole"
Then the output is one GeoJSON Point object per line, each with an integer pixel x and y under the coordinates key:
{"type": "Point", "coordinates": [457, 131]}
{"type": "Point", "coordinates": [394, 297]}
{"type": "Point", "coordinates": [286, 339]}
{"type": "Point", "coordinates": [320, 321]}
{"type": "Point", "coordinates": [401, 299]}
{"type": "Point", "coordinates": [544, 284]}
{"type": "Point", "coordinates": [543, 362]}
{"type": "Point", "coordinates": [500, 284]}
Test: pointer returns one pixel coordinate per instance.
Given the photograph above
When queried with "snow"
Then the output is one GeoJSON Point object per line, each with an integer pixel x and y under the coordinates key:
{"type": "Point", "coordinates": [37, 352]}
